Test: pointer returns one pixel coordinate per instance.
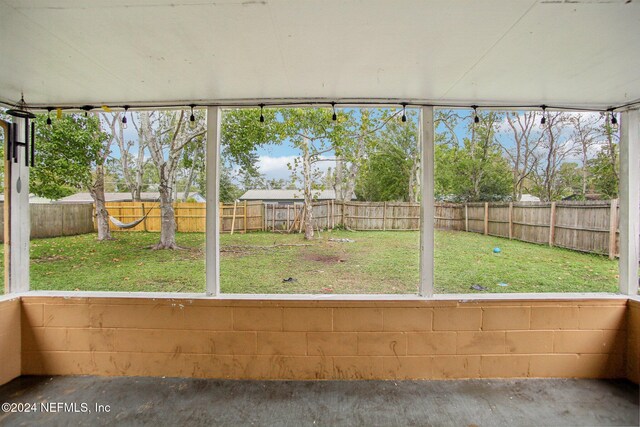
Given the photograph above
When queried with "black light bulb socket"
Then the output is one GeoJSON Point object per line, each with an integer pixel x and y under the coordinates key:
{"type": "Point", "coordinates": [261, 113]}
{"type": "Point", "coordinates": [335, 116]}
{"type": "Point", "coordinates": [404, 113]}
{"type": "Point", "coordinates": [124, 116]}
{"type": "Point", "coordinates": [614, 120]}
{"type": "Point", "coordinates": [86, 109]}
{"type": "Point", "coordinates": [476, 119]}
{"type": "Point", "coordinates": [192, 118]}
{"type": "Point", "coordinates": [543, 120]}
{"type": "Point", "coordinates": [49, 116]}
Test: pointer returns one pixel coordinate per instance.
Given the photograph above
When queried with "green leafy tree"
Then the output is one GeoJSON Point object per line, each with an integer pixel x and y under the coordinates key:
{"type": "Point", "coordinates": [569, 180]}
{"type": "Point", "coordinates": [317, 137]}
{"type": "Point", "coordinates": [71, 155]}
{"type": "Point", "coordinates": [392, 169]}
{"type": "Point", "coordinates": [603, 174]}
{"type": "Point", "coordinates": [66, 153]}
{"type": "Point", "coordinates": [472, 169]}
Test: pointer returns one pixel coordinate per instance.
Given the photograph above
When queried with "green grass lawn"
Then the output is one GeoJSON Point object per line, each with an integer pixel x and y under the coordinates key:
{"type": "Point", "coordinates": [377, 262]}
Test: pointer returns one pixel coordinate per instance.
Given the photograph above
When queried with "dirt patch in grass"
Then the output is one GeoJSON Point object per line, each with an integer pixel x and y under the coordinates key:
{"type": "Point", "coordinates": [323, 258]}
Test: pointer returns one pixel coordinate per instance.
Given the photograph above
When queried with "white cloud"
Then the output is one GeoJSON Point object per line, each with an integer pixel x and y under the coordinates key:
{"type": "Point", "coordinates": [268, 164]}
{"type": "Point", "coordinates": [277, 167]}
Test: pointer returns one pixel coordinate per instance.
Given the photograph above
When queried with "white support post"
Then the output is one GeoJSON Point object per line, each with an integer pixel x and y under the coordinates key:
{"type": "Point", "coordinates": [629, 201]}
{"type": "Point", "coordinates": [214, 117]}
{"type": "Point", "coordinates": [427, 210]}
{"type": "Point", "coordinates": [20, 218]}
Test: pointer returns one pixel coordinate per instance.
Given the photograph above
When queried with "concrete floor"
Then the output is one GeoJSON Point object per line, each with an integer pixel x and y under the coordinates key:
{"type": "Point", "coordinates": [175, 401]}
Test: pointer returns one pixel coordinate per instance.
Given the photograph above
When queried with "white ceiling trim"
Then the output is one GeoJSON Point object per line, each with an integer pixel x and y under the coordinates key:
{"type": "Point", "coordinates": [576, 53]}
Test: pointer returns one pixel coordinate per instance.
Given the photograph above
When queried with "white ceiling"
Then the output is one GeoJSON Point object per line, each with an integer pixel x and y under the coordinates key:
{"type": "Point", "coordinates": [73, 52]}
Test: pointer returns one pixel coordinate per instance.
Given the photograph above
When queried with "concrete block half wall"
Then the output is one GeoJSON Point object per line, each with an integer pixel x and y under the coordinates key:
{"type": "Point", "coordinates": [319, 340]}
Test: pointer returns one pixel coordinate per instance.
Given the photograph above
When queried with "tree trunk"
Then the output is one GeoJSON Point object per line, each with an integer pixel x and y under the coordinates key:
{"type": "Point", "coordinates": [167, 219]}
{"type": "Point", "coordinates": [137, 187]}
{"type": "Point", "coordinates": [192, 172]}
{"type": "Point", "coordinates": [308, 196]}
{"type": "Point", "coordinates": [102, 216]}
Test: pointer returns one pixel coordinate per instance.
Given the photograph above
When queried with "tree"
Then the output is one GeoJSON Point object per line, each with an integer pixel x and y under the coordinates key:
{"type": "Point", "coordinates": [71, 154]}
{"type": "Point", "coordinates": [586, 136]}
{"type": "Point", "coordinates": [131, 166]}
{"type": "Point", "coordinates": [313, 132]}
{"type": "Point", "coordinates": [520, 149]}
{"type": "Point", "coordinates": [193, 163]}
{"type": "Point", "coordinates": [556, 147]}
{"type": "Point", "coordinates": [569, 180]}
{"type": "Point", "coordinates": [603, 176]}
{"type": "Point", "coordinates": [610, 184]}
{"type": "Point", "coordinates": [392, 168]}
{"type": "Point", "coordinates": [166, 133]}
{"type": "Point", "coordinates": [472, 169]}
{"type": "Point", "coordinates": [228, 191]}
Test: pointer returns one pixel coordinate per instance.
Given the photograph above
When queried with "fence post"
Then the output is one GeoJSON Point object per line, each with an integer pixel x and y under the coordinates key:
{"type": "Point", "coordinates": [552, 224]}
{"type": "Point", "coordinates": [333, 214]}
{"type": "Point", "coordinates": [486, 218]}
{"type": "Point", "coordinates": [613, 228]}
{"type": "Point", "coordinates": [384, 217]}
{"type": "Point", "coordinates": [510, 220]}
{"type": "Point", "coordinates": [245, 216]}
{"type": "Point", "coordinates": [328, 217]}
{"type": "Point", "coordinates": [220, 216]}
{"type": "Point", "coordinates": [233, 218]}
{"type": "Point", "coordinates": [273, 220]}
{"type": "Point", "coordinates": [466, 218]}
{"type": "Point", "coordinates": [175, 215]}
{"type": "Point", "coordinates": [144, 221]}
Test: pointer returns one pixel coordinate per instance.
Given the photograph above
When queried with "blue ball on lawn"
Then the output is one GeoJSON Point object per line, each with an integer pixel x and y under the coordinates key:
{"type": "Point", "coordinates": [496, 250]}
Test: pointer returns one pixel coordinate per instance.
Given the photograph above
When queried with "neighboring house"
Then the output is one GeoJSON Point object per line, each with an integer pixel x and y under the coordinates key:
{"type": "Point", "coordinates": [529, 198]}
{"type": "Point", "coordinates": [286, 197]}
{"type": "Point", "coordinates": [33, 199]}
{"type": "Point", "coordinates": [124, 197]}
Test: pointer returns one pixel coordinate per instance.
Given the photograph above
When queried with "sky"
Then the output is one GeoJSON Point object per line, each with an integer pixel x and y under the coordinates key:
{"type": "Point", "coordinates": [274, 159]}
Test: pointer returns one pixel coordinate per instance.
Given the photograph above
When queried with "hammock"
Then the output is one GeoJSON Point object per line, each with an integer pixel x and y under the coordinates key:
{"type": "Point", "coordinates": [128, 225]}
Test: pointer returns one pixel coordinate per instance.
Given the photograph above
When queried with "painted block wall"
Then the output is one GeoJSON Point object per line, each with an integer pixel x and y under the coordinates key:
{"type": "Point", "coordinates": [307, 340]}
{"type": "Point", "coordinates": [10, 336]}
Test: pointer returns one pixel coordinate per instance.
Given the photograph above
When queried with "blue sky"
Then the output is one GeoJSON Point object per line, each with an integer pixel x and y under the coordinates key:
{"type": "Point", "coordinates": [273, 159]}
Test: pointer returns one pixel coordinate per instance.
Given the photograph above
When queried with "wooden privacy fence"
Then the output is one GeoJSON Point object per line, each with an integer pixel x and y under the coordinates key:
{"type": "Point", "coordinates": [583, 226]}
{"type": "Point", "coordinates": [259, 216]}
{"type": "Point", "coordinates": [359, 216]}
{"type": "Point", "coordinates": [590, 226]}
{"type": "Point", "coordinates": [54, 220]}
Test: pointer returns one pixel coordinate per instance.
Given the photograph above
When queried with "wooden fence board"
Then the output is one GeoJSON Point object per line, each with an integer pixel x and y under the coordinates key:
{"type": "Point", "coordinates": [582, 226]}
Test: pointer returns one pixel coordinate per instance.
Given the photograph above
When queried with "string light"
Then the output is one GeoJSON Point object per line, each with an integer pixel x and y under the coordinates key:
{"type": "Point", "coordinates": [335, 116]}
{"type": "Point", "coordinates": [380, 103]}
{"type": "Point", "coordinates": [192, 118]}
{"type": "Point", "coordinates": [124, 117]}
{"type": "Point", "coordinates": [543, 120]}
{"type": "Point", "coordinates": [49, 109]}
{"type": "Point", "coordinates": [476, 119]}
{"type": "Point", "coordinates": [614, 120]}
{"type": "Point", "coordinates": [404, 112]}
{"type": "Point", "coordinates": [86, 109]}
{"type": "Point", "coordinates": [261, 113]}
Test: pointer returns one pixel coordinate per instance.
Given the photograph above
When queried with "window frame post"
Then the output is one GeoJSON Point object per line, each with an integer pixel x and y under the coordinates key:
{"type": "Point", "coordinates": [427, 208]}
{"type": "Point", "coordinates": [212, 239]}
{"type": "Point", "coordinates": [629, 201]}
